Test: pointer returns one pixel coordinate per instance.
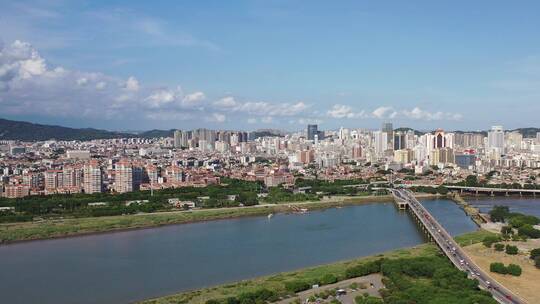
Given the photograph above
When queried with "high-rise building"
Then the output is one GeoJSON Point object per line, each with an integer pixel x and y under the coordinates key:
{"type": "Point", "coordinates": [388, 128]}
{"type": "Point", "coordinates": [92, 177]}
{"type": "Point", "coordinates": [380, 142]}
{"type": "Point", "coordinates": [496, 137]}
{"type": "Point", "coordinates": [312, 130]}
{"type": "Point", "coordinates": [123, 178]}
{"type": "Point", "coordinates": [178, 139]}
{"type": "Point", "coordinates": [400, 140]}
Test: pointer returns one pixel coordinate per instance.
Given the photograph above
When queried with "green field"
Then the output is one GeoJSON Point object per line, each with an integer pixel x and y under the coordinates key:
{"type": "Point", "coordinates": [54, 228]}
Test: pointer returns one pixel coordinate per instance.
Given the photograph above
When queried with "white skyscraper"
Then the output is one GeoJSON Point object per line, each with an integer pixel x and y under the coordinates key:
{"type": "Point", "coordinates": [380, 139]}
{"type": "Point", "coordinates": [496, 137]}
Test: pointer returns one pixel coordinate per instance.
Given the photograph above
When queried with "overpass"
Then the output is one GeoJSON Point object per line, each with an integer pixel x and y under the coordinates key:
{"type": "Point", "coordinates": [479, 190]}
{"type": "Point", "coordinates": [451, 249]}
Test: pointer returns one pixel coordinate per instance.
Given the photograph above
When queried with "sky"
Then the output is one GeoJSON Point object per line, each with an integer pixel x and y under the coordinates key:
{"type": "Point", "coordinates": [138, 65]}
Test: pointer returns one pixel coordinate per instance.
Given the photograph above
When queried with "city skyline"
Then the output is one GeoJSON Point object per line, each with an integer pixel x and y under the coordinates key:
{"type": "Point", "coordinates": [252, 64]}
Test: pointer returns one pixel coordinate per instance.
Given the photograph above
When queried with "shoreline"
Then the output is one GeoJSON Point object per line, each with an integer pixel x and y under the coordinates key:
{"type": "Point", "coordinates": [174, 218]}
{"type": "Point", "coordinates": [200, 295]}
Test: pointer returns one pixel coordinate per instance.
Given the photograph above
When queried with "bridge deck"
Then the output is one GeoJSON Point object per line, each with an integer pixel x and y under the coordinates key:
{"type": "Point", "coordinates": [453, 251]}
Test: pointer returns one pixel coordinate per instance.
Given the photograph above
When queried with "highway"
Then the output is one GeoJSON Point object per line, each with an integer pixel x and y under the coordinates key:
{"type": "Point", "coordinates": [454, 252]}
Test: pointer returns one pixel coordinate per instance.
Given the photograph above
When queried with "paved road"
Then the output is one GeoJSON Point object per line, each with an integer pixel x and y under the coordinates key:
{"type": "Point", "coordinates": [454, 252]}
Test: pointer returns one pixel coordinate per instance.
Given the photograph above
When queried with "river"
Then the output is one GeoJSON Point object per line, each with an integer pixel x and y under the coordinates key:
{"type": "Point", "coordinates": [525, 205]}
{"type": "Point", "coordinates": [124, 267]}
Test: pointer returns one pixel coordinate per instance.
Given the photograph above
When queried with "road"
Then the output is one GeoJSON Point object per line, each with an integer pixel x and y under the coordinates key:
{"type": "Point", "coordinates": [454, 252]}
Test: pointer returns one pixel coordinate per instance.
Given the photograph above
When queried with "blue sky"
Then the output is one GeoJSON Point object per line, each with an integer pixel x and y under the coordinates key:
{"type": "Point", "coordinates": [270, 64]}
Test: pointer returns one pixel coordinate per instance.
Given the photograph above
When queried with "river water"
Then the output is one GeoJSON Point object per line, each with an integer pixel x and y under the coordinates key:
{"type": "Point", "coordinates": [128, 266]}
{"type": "Point", "coordinates": [525, 205]}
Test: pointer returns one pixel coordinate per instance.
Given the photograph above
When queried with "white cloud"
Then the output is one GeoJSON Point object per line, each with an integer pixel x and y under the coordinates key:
{"type": "Point", "coordinates": [216, 117]}
{"type": "Point", "coordinates": [384, 113]}
{"type": "Point", "coordinates": [227, 102]}
{"type": "Point", "coordinates": [267, 119]}
{"type": "Point", "coordinates": [82, 81]}
{"type": "Point", "coordinates": [344, 111]}
{"type": "Point", "coordinates": [101, 85]}
{"type": "Point", "coordinates": [419, 114]}
{"type": "Point", "coordinates": [252, 120]}
{"type": "Point", "coordinates": [193, 98]}
{"type": "Point", "coordinates": [132, 84]}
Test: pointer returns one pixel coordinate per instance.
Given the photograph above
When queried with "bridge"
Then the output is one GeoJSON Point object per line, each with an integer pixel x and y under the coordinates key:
{"type": "Point", "coordinates": [451, 248]}
{"type": "Point", "coordinates": [478, 190]}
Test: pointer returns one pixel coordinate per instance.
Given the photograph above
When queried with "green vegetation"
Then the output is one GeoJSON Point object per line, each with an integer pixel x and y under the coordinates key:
{"type": "Point", "coordinates": [499, 247]}
{"type": "Point", "coordinates": [523, 223]}
{"type": "Point", "coordinates": [535, 253]}
{"type": "Point", "coordinates": [512, 250]}
{"type": "Point", "coordinates": [76, 205]}
{"type": "Point", "coordinates": [281, 195]}
{"type": "Point", "coordinates": [537, 262]}
{"type": "Point", "coordinates": [277, 282]}
{"type": "Point", "coordinates": [431, 190]}
{"type": "Point", "coordinates": [415, 275]}
{"type": "Point", "coordinates": [489, 240]}
{"type": "Point", "coordinates": [511, 269]}
{"type": "Point", "coordinates": [367, 299]}
{"type": "Point", "coordinates": [472, 181]}
{"type": "Point", "coordinates": [337, 187]}
{"type": "Point", "coordinates": [474, 237]}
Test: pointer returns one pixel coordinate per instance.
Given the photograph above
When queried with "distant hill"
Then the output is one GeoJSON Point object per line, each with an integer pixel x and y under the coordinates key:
{"type": "Point", "coordinates": [156, 133]}
{"type": "Point", "coordinates": [26, 131]}
{"type": "Point", "coordinates": [528, 132]}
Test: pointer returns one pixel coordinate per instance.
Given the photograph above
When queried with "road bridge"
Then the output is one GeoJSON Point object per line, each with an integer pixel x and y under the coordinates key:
{"type": "Point", "coordinates": [451, 248]}
{"type": "Point", "coordinates": [478, 190]}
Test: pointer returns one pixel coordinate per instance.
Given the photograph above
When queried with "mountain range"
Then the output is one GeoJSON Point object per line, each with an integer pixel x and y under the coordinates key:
{"type": "Point", "coordinates": [27, 131]}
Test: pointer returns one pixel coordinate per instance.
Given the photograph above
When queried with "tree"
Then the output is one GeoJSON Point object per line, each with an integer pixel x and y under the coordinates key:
{"type": "Point", "coordinates": [498, 268]}
{"type": "Point", "coordinates": [535, 253]}
{"type": "Point", "coordinates": [512, 250]}
{"type": "Point", "coordinates": [499, 213]}
{"type": "Point", "coordinates": [471, 181]}
{"type": "Point", "coordinates": [537, 262]}
{"type": "Point", "coordinates": [514, 270]}
{"type": "Point", "coordinates": [499, 247]}
{"type": "Point", "coordinates": [507, 230]}
{"type": "Point", "coordinates": [490, 240]}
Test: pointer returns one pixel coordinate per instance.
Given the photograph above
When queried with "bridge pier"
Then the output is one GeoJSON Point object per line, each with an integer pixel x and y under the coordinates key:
{"type": "Point", "coordinates": [476, 192]}
{"type": "Point", "coordinates": [507, 193]}
{"type": "Point", "coordinates": [492, 194]}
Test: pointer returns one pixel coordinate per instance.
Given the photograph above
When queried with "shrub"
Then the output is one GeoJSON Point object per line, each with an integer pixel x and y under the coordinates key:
{"type": "Point", "coordinates": [507, 230]}
{"type": "Point", "coordinates": [490, 240]}
{"type": "Point", "coordinates": [514, 270]}
{"type": "Point", "coordinates": [537, 262]}
{"type": "Point", "coordinates": [498, 268]}
{"type": "Point", "coordinates": [499, 247]}
{"type": "Point", "coordinates": [528, 230]}
{"type": "Point", "coordinates": [328, 279]}
{"type": "Point", "coordinates": [513, 250]}
{"type": "Point", "coordinates": [297, 286]}
{"type": "Point", "coordinates": [535, 253]}
{"type": "Point", "coordinates": [363, 269]}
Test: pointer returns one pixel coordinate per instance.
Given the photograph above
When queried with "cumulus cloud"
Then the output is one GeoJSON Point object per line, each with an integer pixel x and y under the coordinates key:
{"type": "Point", "coordinates": [344, 111]}
{"type": "Point", "coordinates": [419, 114]}
{"type": "Point", "coordinates": [132, 84]}
{"type": "Point", "coordinates": [384, 113]}
{"type": "Point", "coordinates": [216, 117]}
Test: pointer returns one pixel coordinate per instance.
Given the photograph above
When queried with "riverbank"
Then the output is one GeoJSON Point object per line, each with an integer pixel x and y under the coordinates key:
{"type": "Point", "coordinates": [471, 211]}
{"type": "Point", "coordinates": [276, 282]}
{"type": "Point", "coordinates": [59, 228]}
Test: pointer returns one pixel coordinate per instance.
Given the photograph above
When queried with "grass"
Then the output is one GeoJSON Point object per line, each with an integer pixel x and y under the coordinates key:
{"type": "Point", "coordinates": [525, 286]}
{"type": "Point", "coordinates": [276, 282]}
{"type": "Point", "coordinates": [54, 228]}
{"type": "Point", "coordinates": [472, 237]}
